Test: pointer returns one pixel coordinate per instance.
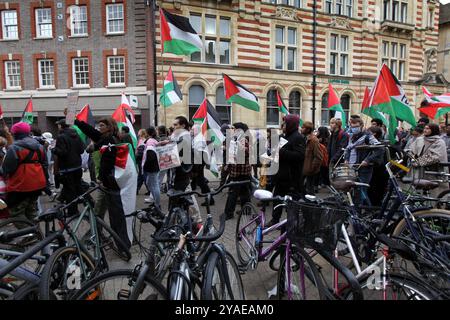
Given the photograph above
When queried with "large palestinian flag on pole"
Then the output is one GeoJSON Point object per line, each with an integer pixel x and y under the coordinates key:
{"type": "Point", "coordinates": [122, 118]}
{"type": "Point", "coordinates": [371, 112]}
{"type": "Point", "coordinates": [281, 105]}
{"type": "Point", "coordinates": [381, 101]}
{"type": "Point", "coordinates": [400, 103]}
{"type": "Point", "coordinates": [236, 93]}
{"type": "Point", "coordinates": [436, 106]}
{"type": "Point", "coordinates": [85, 115]}
{"type": "Point", "coordinates": [125, 175]}
{"type": "Point", "coordinates": [27, 115]}
{"type": "Point", "coordinates": [171, 93]}
{"type": "Point", "coordinates": [177, 35]}
{"type": "Point", "coordinates": [335, 104]}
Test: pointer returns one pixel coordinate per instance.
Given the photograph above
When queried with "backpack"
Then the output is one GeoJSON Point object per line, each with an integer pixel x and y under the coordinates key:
{"type": "Point", "coordinates": [324, 151]}
{"type": "Point", "coordinates": [29, 175]}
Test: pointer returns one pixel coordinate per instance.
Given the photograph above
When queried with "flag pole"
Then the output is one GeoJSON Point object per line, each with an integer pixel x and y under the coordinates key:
{"type": "Point", "coordinates": [163, 93]}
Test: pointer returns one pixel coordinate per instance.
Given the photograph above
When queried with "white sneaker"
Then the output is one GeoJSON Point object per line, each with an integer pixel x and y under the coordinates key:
{"type": "Point", "coordinates": [149, 200]}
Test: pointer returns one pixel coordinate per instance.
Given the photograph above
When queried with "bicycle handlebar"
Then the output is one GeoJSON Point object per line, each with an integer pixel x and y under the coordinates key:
{"type": "Point", "coordinates": [8, 236]}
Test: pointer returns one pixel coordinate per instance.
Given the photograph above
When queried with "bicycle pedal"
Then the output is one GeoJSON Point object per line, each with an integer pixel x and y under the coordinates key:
{"type": "Point", "coordinates": [123, 294]}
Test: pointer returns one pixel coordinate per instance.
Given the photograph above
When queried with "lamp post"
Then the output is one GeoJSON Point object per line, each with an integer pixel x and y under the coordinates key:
{"type": "Point", "coordinates": [314, 83]}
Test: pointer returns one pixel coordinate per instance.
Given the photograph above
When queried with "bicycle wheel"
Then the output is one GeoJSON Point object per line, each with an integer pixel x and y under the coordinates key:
{"type": "Point", "coordinates": [246, 234]}
{"type": "Point", "coordinates": [23, 242]}
{"type": "Point", "coordinates": [214, 281]}
{"type": "Point", "coordinates": [62, 274]}
{"type": "Point", "coordinates": [444, 200]}
{"type": "Point", "coordinates": [436, 220]}
{"type": "Point", "coordinates": [118, 285]}
{"type": "Point", "coordinates": [398, 287]}
{"type": "Point", "coordinates": [302, 281]}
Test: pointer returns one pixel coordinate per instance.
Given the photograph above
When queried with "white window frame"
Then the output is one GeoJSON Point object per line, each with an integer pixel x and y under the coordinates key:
{"type": "Point", "coordinates": [395, 57]}
{"type": "Point", "coordinates": [286, 46]}
{"type": "Point", "coordinates": [5, 26]}
{"type": "Point", "coordinates": [108, 61]}
{"type": "Point", "coordinates": [41, 85]}
{"type": "Point", "coordinates": [399, 15]}
{"type": "Point", "coordinates": [277, 125]}
{"type": "Point", "coordinates": [107, 7]}
{"type": "Point", "coordinates": [291, 3]}
{"type": "Point", "coordinates": [339, 52]}
{"type": "Point", "coordinates": [7, 75]}
{"type": "Point", "coordinates": [301, 102]}
{"type": "Point", "coordinates": [217, 38]}
{"type": "Point", "coordinates": [331, 7]}
{"type": "Point", "coordinates": [75, 18]}
{"type": "Point", "coordinates": [74, 73]}
{"type": "Point", "coordinates": [38, 28]}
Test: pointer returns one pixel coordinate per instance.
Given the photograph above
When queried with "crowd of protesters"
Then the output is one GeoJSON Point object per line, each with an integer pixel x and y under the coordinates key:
{"type": "Point", "coordinates": [33, 163]}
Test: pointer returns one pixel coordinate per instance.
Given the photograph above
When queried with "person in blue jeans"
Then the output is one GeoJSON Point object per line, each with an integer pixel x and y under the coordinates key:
{"type": "Point", "coordinates": [150, 166]}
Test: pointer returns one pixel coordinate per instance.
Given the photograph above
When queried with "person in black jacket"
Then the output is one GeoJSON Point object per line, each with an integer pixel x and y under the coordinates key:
{"type": "Point", "coordinates": [338, 141]}
{"type": "Point", "coordinates": [288, 179]}
{"type": "Point", "coordinates": [150, 166]}
{"type": "Point", "coordinates": [68, 150]}
{"type": "Point", "coordinates": [108, 135]}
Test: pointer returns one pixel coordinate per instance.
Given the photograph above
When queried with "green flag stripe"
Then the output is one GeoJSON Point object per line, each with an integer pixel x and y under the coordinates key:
{"type": "Point", "coordinates": [180, 47]}
{"type": "Point", "coordinates": [249, 104]}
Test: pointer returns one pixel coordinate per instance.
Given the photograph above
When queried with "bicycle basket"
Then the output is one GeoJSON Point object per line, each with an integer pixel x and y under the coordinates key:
{"type": "Point", "coordinates": [313, 226]}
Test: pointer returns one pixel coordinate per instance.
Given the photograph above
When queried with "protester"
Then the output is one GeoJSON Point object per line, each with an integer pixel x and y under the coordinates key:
{"type": "Point", "coordinates": [415, 133]}
{"type": "Point", "coordinates": [379, 181]}
{"type": "Point", "coordinates": [4, 212]}
{"type": "Point", "coordinates": [142, 136]}
{"type": "Point", "coordinates": [446, 138]}
{"type": "Point", "coordinates": [25, 169]}
{"type": "Point", "coordinates": [150, 166]}
{"type": "Point", "coordinates": [288, 179]}
{"type": "Point", "coordinates": [125, 137]}
{"type": "Point", "coordinates": [163, 135]}
{"type": "Point", "coordinates": [313, 157]}
{"type": "Point", "coordinates": [240, 170]}
{"type": "Point", "coordinates": [322, 178]}
{"type": "Point", "coordinates": [338, 141]}
{"type": "Point", "coordinates": [107, 136]}
{"type": "Point", "coordinates": [68, 149]}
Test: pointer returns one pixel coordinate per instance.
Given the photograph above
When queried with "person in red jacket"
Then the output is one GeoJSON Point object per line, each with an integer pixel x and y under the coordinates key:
{"type": "Point", "coordinates": [25, 168]}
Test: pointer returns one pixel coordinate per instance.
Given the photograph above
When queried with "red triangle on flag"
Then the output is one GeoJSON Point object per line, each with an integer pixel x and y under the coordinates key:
{"type": "Point", "coordinates": [29, 107]}
{"type": "Point", "coordinates": [366, 99]}
{"type": "Point", "coordinates": [165, 29]}
{"type": "Point", "coordinates": [230, 87]}
{"type": "Point", "coordinates": [332, 97]}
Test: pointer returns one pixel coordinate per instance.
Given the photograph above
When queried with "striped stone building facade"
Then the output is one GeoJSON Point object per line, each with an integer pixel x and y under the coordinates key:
{"type": "Point", "coordinates": [267, 45]}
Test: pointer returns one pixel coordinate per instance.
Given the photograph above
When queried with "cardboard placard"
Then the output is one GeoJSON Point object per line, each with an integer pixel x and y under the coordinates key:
{"type": "Point", "coordinates": [168, 156]}
{"type": "Point", "coordinates": [72, 102]}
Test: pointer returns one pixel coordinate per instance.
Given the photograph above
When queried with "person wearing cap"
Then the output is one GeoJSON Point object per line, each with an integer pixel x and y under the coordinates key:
{"type": "Point", "coordinates": [68, 150]}
{"type": "Point", "coordinates": [25, 170]}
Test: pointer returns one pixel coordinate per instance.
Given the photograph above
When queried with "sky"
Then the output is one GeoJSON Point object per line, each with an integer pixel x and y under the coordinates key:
{"type": "Point", "coordinates": [444, 1]}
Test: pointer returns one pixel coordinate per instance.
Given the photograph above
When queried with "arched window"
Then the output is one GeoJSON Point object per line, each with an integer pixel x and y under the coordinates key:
{"type": "Point", "coordinates": [295, 102]}
{"type": "Point", "coordinates": [346, 103]}
{"type": "Point", "coordinates": [196, 97]}
{"type": "Point", "coordinates": [325, 119]}
{"type": "Point", "coordinates": [272, 109]}
{"type": "Point", "coordinates": [223, 107]}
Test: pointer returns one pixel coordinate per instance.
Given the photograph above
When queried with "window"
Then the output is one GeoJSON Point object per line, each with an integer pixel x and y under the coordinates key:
{"type": "Point", "coordinates": [295, 102]}
{"type": "Point", "coordinates": [12, 75]}
{"type": "Point", "coordinates": [293, 3]}
{"type": "Point", "coordinates": [115, 23]}
{"type": "Point", "coordinates": [339, 7]}
{"type": "Point", "coordinates": [272, 109]}
{"type": "Point", "coordinates": [223, 107]}
{"type": "Point", "coordinates": [395, 10]}
{"type": "Point", "coordinates": [285, 48]}
{"type": "Point", "coordinates": [116, 71]}
{"type": "Point", "coordinates": [346, 105]}
{"type": "Point", "coordinates": [394, 56]}
{"type": "Point", "coordinates": [339, 55]}
{"type": "Point", "coordinates": [80, 72]}
{"type": "Point", "coordinates": [78, 21]}
{"type": "Point", "coordinates": [196, 97]}
{"type": "Point", "coordinates": [215, 32]}
{"type": "Point", "coordinates": [44, 28]}
{"type": "Point", "coordinates": [46, 73]}
{"type": "Point", "coordinates": [325, 118]}
{"type": "Point", "coordinates": [430, 18]}
{"type": "Point", "coordinates": [10, 28]}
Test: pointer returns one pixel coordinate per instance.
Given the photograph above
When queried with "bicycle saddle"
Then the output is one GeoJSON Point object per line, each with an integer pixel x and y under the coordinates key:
{"type": "Point", "coordinates": [425, 184]}
{"type": "Point", "coordinates": [50, 214]}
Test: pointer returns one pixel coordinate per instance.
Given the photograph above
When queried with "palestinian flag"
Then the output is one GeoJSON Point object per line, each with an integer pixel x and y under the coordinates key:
{"type": "Point", "coordinates": [177, 35]}
{"type": "Point", "coordinates": [1, 112]}
{"type": "Point", "coordinates": [27, 115]}
{"type": "Point", "coordinates": [436, 106]}
{"type": "Point", "coordinates": [381, 101]}
{"type": "Point", "coordinates": [122, 119]}
{"type": "Point", "coordinates": [236, 93]}
{"type": "Point", "coordinates": [207, 117]}
{"type": "Point", "coordinates": [335, 104]}
{"type": "Point", "coordinates": [371, 112]}
{"type": "Point", "coordinates": [281, 105]}
{"type": "Point", "coordinates": [400, 103]}
{"type": "Point", "coordinates": [85, 115]}
{"type": "Point", "coordinates": [125, 175]}
{"type": "Point", "coordinates": [171, 93]}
